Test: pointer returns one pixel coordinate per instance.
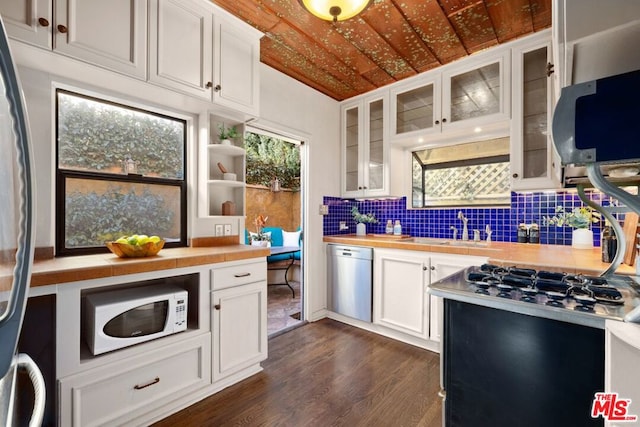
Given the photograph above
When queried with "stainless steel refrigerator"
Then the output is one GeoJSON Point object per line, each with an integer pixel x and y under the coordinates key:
{"type": "Point", "coordinates": [16, 239]}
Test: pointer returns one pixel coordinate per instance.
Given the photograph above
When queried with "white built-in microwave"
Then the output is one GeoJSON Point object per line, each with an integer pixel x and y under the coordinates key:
{"type": "Point", "coordinates": [124, 317]}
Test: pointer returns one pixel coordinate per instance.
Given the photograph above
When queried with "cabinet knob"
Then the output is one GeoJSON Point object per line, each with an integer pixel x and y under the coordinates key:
{"type": "Point", "coordinates": [218, 88]}
{"type": "Point", "coordinates": [444, 120]}
{"type": "Point", "coordinates": [209, 85]}
{"type": "Point", "coordinates": [424, 268]}
{"type": "Point", "coordinates": [433, 268]}
{"type": "Point", "coordinates": [437, 122]}
{"type": "Point", "coordinates": [515, 175]}
{"type": "Point", "coordinates": [365, 187]}
{"type": "Point", "coordinates": [217, 306]}
{"type": "Point", "coordinates": [359, 188]}
{"type": "Point", "coordinates": [550, 69]}
{"type": "Point", "coordinates": [62, 29]}
{"type": "Point", "coordinates": [44, 22]}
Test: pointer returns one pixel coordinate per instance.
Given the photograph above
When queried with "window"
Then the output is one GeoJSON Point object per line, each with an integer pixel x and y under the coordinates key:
{"type": "Point", "coordinates": [120, 171]}
{"type": "Point", "coordinates": [475, 174]}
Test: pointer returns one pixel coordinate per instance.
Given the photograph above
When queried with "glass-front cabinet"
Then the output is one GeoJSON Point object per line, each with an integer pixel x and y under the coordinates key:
{"type": "Point", "coordinates": [461, 97]}
{"type": "Point", "coordinates": [415, 108]}
{"type": "Point", "coordinates": [364, 145]}
{"type": "Point", "coordinates": [533, 159]}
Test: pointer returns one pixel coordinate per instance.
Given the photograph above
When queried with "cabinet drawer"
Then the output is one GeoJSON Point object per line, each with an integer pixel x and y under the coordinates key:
{"type": "Point", "coordinates": [117, 393]}
{"type": "Point", "coordinates": [227, 277]}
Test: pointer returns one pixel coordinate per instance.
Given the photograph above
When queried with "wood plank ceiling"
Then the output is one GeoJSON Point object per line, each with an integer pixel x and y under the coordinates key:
{"type": "Point", "coordinates": [390, 41]}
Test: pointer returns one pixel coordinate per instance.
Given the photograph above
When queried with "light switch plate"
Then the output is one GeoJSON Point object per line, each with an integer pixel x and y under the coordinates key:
{"type": "Point", "coordinates": [227, 229]}
{"type": "Point", "coordinates": [324, 209]}
{"type": "Point", "coordinates": [219, 230]}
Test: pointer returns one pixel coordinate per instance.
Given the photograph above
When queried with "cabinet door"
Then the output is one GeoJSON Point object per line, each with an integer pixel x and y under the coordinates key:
{"type": "Point", "coordinates": [352, 156]}
{"type": "Point", "coordinates": [239, 328]}
{"type": "Point", "coordinates": [374, 163]}
{"type": "Point", "coordinates": [442, 266]}
{"type": "Point", "coordinates": [28, 20]}
{"type": "Point", "coordinates": [476, 94]}
{"type": "Point", "coordinates": [180, 44]}
{"type": "Point", "coordinates": [400, 298]}
{"type": "Point", "coordinates": [532, 154]}
{"type": "Point", "coordinates": [237, 58]}
{"type": "Point", "coordinates": [110, 34]}
{"type": "Point", "coordinates": [415, 109]}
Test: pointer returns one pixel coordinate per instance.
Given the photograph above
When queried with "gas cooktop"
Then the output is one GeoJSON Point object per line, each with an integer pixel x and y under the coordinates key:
{"type": "Point", "coordinates": [568, 297]}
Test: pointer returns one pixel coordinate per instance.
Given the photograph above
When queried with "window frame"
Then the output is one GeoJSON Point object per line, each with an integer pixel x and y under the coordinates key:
{"type": "Point", "coordinates": [63, 174]}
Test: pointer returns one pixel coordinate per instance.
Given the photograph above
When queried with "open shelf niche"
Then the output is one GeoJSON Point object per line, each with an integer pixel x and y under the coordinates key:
{"type": "Point", "coordinates": [217, 187]}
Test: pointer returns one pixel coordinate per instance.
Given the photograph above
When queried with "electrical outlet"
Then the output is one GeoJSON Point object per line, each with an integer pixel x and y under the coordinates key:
{"type": "Point", "coordinates": [227, 229]}
{"type": "Point", "coordinates": [324, 209]}
{"type": "Point", "coordinates": [343, 225]}
{"type": "Point", "coordinates": [219, 230]}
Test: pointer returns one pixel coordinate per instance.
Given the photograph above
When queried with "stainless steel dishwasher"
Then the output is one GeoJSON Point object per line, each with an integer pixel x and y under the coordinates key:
{"type": "Point", "coordinates": [349, 272]}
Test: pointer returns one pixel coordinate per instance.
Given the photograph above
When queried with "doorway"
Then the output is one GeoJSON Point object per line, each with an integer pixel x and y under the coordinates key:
{"type": "Point", "coordinates": [274, 206]}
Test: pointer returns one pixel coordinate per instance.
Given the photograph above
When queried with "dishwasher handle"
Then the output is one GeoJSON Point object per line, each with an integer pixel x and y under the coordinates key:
{"type": "Point", "coordinates": [351, 251]}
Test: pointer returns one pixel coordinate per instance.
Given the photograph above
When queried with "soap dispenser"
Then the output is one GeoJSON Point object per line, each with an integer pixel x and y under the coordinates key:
{"type": "Point", "coordinates": [397, 228]}
{"type": "Point", "coordinates": [389, 227]}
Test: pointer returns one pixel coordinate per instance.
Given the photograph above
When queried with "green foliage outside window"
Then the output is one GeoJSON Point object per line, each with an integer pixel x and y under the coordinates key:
{"type": "Point", "coordinates": [268, 158]}
{"type": "Point", "coordinates": [92, 219]}
{"type": "Point", "coordinates": [97, 136]}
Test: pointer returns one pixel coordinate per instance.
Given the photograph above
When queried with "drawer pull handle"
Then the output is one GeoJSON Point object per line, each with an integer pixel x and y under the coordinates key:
{"type": "Point", "coordinates": [217, 306]}
{"type": "Point", "coordinates": [242, 275]}
{"type": "Point", "coordinates": [140, 387]}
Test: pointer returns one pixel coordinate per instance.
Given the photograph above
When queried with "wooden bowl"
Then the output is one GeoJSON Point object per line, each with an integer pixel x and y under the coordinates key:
{"type": "Point", "coordinates": [125, 250]}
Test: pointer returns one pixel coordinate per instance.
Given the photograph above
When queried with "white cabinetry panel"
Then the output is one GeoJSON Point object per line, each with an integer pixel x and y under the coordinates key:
{"type": "Point", "coordinates": [400, 298]}
{"type": "Point", "coordinates": [181, 44]}
{"type": "Point", "coordinates": [119, 392]}
{"type": "Point", "coordinates": [112, 34]}
{"type": "Point", "coordinates": [29, 20]}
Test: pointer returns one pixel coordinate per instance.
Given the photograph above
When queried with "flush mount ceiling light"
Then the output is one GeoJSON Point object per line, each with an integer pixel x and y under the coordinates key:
{"type": "Point", "coordinates": [335, 10]}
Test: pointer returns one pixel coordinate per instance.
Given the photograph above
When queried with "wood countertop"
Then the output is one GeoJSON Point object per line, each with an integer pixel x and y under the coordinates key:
{"type": "Point", "coordinates": [71, 269]}
{"type": "Point", "coordinates": [540, 257]}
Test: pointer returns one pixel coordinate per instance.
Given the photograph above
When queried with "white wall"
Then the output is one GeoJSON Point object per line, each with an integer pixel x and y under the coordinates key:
{"type": "Point", "coordinates": [297, 109]}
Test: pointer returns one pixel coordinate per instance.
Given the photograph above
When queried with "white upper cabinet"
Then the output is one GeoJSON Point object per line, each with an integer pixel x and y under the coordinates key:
{"type": "Point", "coordinates": [365, 165]}
{"type": "Point", "coordinates": [457, 99]}
{"type": "Point", "coordinates": [181, 46]}
{"type": "Point", "coordinates": [29, 20]}
{"type": "Point", "coordinates": [237, 58]}
{"type": "Point", "coordinates": [109, 34]}
{"type": "Point", "coordinates": [534, 164]}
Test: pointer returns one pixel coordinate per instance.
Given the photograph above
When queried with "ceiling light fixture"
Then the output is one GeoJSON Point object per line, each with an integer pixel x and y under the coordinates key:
{"type": "Point", "coordinates": [335, 10]}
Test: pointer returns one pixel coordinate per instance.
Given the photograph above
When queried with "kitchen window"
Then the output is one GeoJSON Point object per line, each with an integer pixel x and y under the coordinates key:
{"type": "Point", "coordinates": [120, 171]}
{"type": "Point", "coordinates": [474, 174]}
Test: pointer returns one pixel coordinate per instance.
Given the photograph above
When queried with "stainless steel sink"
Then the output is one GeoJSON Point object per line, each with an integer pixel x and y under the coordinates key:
{"type": "Point", "coordinates": [449, 242]}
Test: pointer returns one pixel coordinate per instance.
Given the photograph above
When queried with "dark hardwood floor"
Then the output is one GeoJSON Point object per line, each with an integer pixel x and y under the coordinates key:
{"type": "Point", "coordinates": [328, 374]}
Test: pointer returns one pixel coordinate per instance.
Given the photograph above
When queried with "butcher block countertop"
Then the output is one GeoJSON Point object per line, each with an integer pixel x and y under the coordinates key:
{"type": "Point", "coordinates": [85, 267]}
{"type": "Point", "coordinates": [540, 257]}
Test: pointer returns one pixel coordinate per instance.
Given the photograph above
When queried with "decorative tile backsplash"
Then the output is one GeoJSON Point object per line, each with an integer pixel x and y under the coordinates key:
{"type": "Point", "coordinates": [437, 223]}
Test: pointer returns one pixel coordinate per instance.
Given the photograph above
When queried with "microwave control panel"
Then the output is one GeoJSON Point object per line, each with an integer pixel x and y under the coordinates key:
{"type": "Point", "coordinates": [181, 314]}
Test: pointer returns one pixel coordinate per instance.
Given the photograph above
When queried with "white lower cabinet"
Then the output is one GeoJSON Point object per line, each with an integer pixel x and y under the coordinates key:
{"type": "Point", "coordinates": [400, 301]}
{"type": "Point", "coordinates": [120, 392]}
{"type": "Point", "coordinates": [400, 283]}
{"type": "Point", "coordinates": [441, 266]}
{"type": "Point", "coordinates": [239, 318]}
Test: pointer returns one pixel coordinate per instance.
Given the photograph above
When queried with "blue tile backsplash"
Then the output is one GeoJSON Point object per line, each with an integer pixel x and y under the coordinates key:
{"type": "Point", "coordinates": [437, 223]}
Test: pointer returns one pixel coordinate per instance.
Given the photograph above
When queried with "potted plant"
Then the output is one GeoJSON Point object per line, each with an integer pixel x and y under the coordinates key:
{"type": "Point", "coordinates": [260, 238]}
{"type": "Point", "coordinates": [580, 219]}
{"type": "Point", "coordinates": [226, 134]}
{"type": "Point", "coordinates": [361, 220]}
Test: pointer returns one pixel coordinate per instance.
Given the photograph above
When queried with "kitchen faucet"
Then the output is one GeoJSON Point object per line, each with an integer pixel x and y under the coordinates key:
{"type": "Point", "coordinates": [455, 232]}
{"type": "Point", "coordinates": [488, 231]}
{"type": "Point", "coordinates": [465, 230]}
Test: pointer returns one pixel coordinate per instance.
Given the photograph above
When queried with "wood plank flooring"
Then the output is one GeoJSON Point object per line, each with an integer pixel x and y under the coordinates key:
{"type": "Point", "coordinates": [328, 374]}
